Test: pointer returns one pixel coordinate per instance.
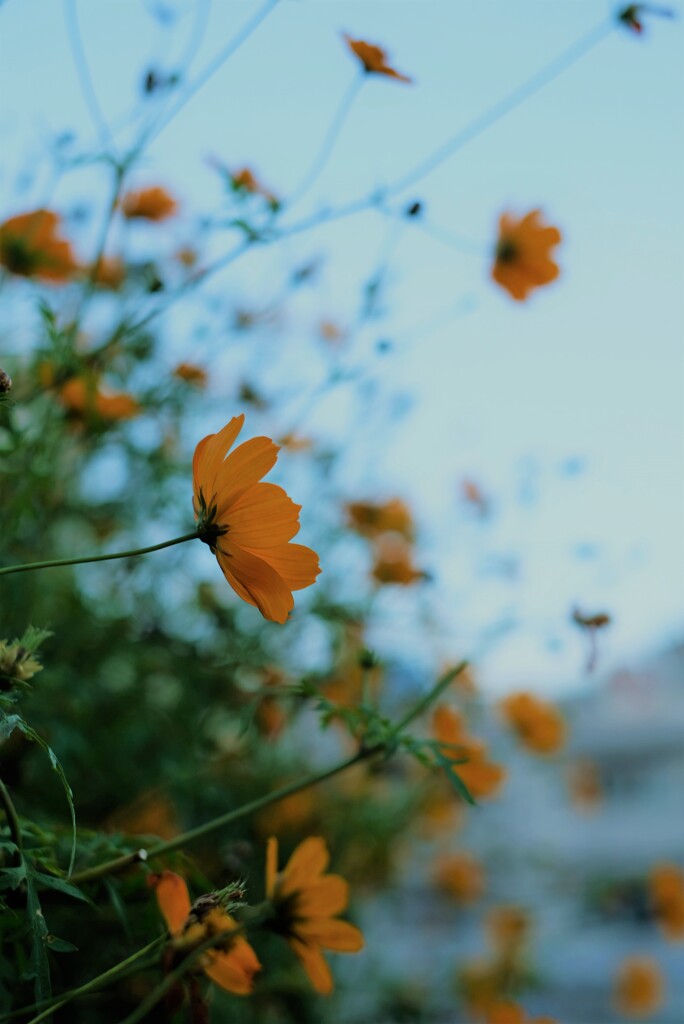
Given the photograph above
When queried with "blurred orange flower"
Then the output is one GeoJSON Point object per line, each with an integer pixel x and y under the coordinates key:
{"type": "Point", "coordinates": [191, 374]}
{"type": "Point", "coordinates": [110, 272]}
{"type": "Point", "coordinates": [537, 723]}
{"type": "Point", "coordinates": [30, 245]}
{"type": "Point", "coordinates": [306, 902]}
{"type": "Point", "coordinates": [394, 562]}
{"type": "Point", "coordinates": [639, 987]}
{"type": "Point", "coordinates": [246, 181]}
{"type": "Point", "coordinates": [511, 1013]}
{"type": "Point", "coordinates": [584, 784]}
{"type": "Point", "coordinates": [83, 397]}
{"type": "Point", "coordinates": [149, 204]}
{"type": "Point", "coordinates": [249, 525]}
{"type": "Point", "coordinates": [667, 896]}
{"type": "Point", "coordinates": [295, 443]}
{"type": "Point", "coordinates": [508, 927]}
{"type": "Point", "coordinates": [151, 814]}
{"type": "Point", "coordinates": [373, 59]}
{"type": "Point", "coordinates": [370, 519]}
{"type": "Point", "coordinates": [522, 260]}
{"type": "Point", "coordinates": [482, 777]}
{"type": "Point", "coordinates": [461, 875]}
{"type": "Point", "coordinates": [232, 967]}
{"type": "Point", "coordinates": [290, 816]}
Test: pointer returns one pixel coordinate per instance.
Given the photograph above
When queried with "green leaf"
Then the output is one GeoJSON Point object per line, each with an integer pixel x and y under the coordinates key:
{"type": "Point", "coordinates": [60, 945]}
{"type": "Point", "coordinates": [40, 967]}
{"type": "Point", "coordinates": [11, 878]}
{"type": "Point", "coordinates": [53, 882]}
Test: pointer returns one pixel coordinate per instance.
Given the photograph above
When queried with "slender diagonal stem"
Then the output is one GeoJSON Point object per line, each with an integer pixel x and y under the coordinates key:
{"type": "Point", "coordinates": [433, 694]}
{"type": "Point", "coordinates": [28, 566]}
{"type": "Point", "coordinates": [331, 137]}
{"type": "Point", "coordinates": [83, 71]}
{"type": "Point", "coordinates": [504, 106]}
{"type": "Point", "coordinates": [12, 818]}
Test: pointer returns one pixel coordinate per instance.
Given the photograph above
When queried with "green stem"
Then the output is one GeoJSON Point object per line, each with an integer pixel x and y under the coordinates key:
{"type": "Point", "coordinates": [28, 566]}
{"type": "Point", "coordinates": [94, 983]}
{"type": "Point", "coordinates": [12, 818]}
{"type": "Point", "coordinates": [121, 863]}
{"type": "Point", "coordinates": [430, 697]}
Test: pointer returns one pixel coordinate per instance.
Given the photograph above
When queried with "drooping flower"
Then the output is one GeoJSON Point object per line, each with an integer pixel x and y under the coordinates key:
{"type": "Point", "coordinates": [191, 374]}
{"type": "Point", "coordinates": [306, 903]}
{"type": "Point", "coordinates": [666, 884]}
{"type": "Point", "coordinates": [522, 260]}
{"type": "Point", "coordinates": [639, 987]}
{"type": "Point", "coordinates": [537, 723]}
{"type": "Point", "coordinates": [373, 58]}
{"type": "Point", "coordinates": [149, 204]}
{"type": "Point", "coordinates": [370, 518]}
{"type": "Point", "coordinates": [461, 875]}
{"type": "Point", "coordinates": [84, 398]}
{"type": "Point", "coordinates": [249, 524]}
{"type": "Point", "coordinates": [233, 964]}
{"type": "Point", "coordinates": [482, 777]}
{"type": "Point", "coordinates": [31, 246]}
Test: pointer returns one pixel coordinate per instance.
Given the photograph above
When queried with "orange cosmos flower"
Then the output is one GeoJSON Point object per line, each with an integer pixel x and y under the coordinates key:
{"type": "Point", "coordinates": [30, 245]}
{"type": "Point", "coordinates": [667, 896]}
{"type": "Point", "coordinates": [306, 902]}
{"type": "Point", "coordinates": [508, 928]}
{"type": "Point", "coordinates": [538, 724]}
{"type": "Point", "coordinates": [249, 525]}
{"type": "Point", "coordinates": [482, 777]}
{"type": "Point", "coordinates": [639, 987]}
{"type": "Point", "coordinates": [233, 966]}
{"type": "Point", "coordinates": [522, 261]}
{"type": "Point", "coordinates": [461, 876]}
{"type": "Point", "coordinates": [110, 272]}
{"type": "Point", "coordinates": [394, 562]}
{"type": "Point", "coordinates": [191, 374]}
{"type": "Point", "coordinates": [370, 519]}
{"type": "Point", "coordinates": [83, 397]}
{"type": "Point", "coordinates": [149, 204]}
{"type": "Point", "coordinates": [373, 59]}
{"type": "Point", "coordinates": [511, 1013]}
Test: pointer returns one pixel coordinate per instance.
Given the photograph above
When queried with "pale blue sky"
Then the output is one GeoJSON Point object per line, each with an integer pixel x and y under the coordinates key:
{"type": "Point", "coordinates": [592, 367]}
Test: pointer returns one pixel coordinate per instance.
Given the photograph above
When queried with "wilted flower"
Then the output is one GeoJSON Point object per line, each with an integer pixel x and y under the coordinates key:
{"type": "Point", "coordinates": [667, 896]}
{"type": "Point", "coordinates": [233, 964]}
{"type": "Point", "coordinates": [17, 663]}
{"type": "Point", "coordinates": [248, 524]}
{"type": "Point", "coordinates": [537, 723]}
{"type": "Point", "coordinates": [461, 875]}
{"type": "Point", "coordinates": [482, 777]}
{"type": "Point", "coordinates": [149, 204]}
{"type": "Point", "coordinates": [639, 987]}
{"type": "Point", "coordinates": [30, 245]}
{"type": "Point", "coordinates": [373, 59]}
{"type": "Point", "coordinates": [306, 902]}
{"type": "Point", "coordinates": [522, 260]}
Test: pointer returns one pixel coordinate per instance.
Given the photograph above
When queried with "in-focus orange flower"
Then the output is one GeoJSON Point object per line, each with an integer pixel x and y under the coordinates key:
{"type": "Point", "coordinates": [373, 59]}
{"type": "Point", "coordinates": [149, 204]}
{"type": "Point", "coordinates": [84, 398]}
{"type": "Point", "coordinates": [248, 524]}
{"type": "Point", "coordinates": [522, 260]}
{"type": "Point", "coordinates": [370, 518]}
{"type": "Point", "coordinates": [394, 562]}
{"type": "Point", "coordinates": [191, 374]}
{"type": "Point", "coordinates": [666, 885]}
{"type": "Point", "coordinates": [30, 245]}
{"type": "Point", "coordinates": [461, 875]}
{"type": "Point", "coordinates": [234, 963]}
{"type": "Point", "coordinates": [306, 902]}
{"type": "Point", "coordinates": [537, 723]}
{"type": "Point", "coordinates": [481, 776]}
{"type": "Point", "coordinates": [639, 987]}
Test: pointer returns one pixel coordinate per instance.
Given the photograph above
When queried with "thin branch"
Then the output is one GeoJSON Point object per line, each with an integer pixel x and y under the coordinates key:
{"type": "Point", "coordinates": [84, 76]}
{"type": "Point", "coordinates": [56, 563]}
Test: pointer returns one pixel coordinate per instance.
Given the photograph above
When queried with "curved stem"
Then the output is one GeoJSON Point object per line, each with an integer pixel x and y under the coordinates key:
{"type": "Point", "coordinates": [121, 863]}
{"type": "Point", "coordinates": [55, 563]}
{"type": "Point", "coordinates": [329, 141]}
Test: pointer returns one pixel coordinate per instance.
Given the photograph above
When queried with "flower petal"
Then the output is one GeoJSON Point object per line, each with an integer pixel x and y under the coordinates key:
{"type": "Point", "coordinates": [271, 866]}
{"type": "Point", "coordinates": [297, 565]}
{"type": "Point", "coordinates": [173, 899]}
{"type": "Point", "coordinates": [332, 934]}
{"type": "Point", "coordinates": [210, 453]}
{"type": "Point", "coordinates": [234, 969]}
{"type": "Point", "coordinates": [264, 517]}
{"type": "Point", "coordinates": [323, 898]}
{"type": "Point", "coordinates": [242, 469]}
{"type": "Point", "coordinates": [255, 581]}
{"type": "Point", "coordinates": [315, 965]}
{"type": "Point", "coordinates": [309, 860]}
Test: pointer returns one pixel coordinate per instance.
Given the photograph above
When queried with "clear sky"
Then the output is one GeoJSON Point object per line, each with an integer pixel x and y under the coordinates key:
{"type": "Point", "coordinates": [575, 399]}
